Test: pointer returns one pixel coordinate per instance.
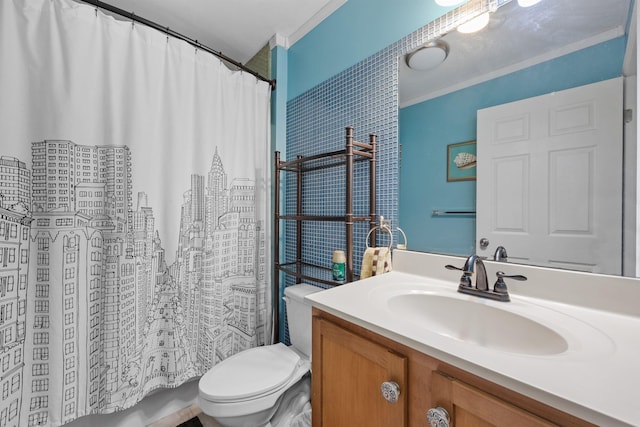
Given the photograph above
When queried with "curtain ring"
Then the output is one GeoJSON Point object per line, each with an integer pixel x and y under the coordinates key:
{"type": "Point", "coordinates": [133, 19]}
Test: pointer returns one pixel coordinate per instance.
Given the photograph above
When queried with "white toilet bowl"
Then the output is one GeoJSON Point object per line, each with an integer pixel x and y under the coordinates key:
{"type": "Point", "coordinates": [246, 389]}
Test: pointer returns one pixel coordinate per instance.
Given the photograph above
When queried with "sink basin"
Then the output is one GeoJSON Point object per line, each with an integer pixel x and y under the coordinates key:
{"type": "Point", "coordinates": [476, 322]}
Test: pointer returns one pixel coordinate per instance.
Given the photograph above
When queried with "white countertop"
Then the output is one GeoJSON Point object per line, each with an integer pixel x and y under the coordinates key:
{"type": "Point", "coordinates": [596, 378]}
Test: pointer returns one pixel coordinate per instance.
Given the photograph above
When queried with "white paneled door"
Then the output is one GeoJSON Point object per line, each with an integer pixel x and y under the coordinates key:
{"type": "Point", "coordinates": [549, 183]}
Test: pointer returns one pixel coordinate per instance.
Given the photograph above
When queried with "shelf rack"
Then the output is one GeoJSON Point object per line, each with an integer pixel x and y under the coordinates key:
{"type": "Point", "coordinates": [353, 152]}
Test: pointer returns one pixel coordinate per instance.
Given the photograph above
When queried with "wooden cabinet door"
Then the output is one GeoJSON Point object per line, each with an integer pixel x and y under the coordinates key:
{"type": "Point", "coordinates": [471, 407]}
{"type": "Point", "coordinates": [348, 372]}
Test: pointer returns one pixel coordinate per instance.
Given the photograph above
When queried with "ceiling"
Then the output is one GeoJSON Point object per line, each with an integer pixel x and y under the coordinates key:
{"type": "Point", "coordinates": [237, 28]}
{"type": "Point", "coordinates": [515, 37]}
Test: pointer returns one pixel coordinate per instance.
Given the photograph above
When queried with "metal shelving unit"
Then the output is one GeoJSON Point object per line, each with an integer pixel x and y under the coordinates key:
{"type": "Point", "coordinates": [353, 152]}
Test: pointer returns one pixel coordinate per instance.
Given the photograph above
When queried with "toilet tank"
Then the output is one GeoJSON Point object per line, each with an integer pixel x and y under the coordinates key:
{"type": "Point", "coordinates": [299, 316]}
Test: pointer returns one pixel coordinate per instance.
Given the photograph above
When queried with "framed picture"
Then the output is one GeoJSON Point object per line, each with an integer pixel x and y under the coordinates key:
{"type": "Point", "coordinates": [461, 161]}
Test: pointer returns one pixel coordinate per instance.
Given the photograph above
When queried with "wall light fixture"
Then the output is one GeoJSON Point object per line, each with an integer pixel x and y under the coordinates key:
{"type": "Point", "coordinates": [449, 2]}
{"type": "Point", "coordinates": [527, 3]}
{"type": "Point", "coordinates": [475, 24]}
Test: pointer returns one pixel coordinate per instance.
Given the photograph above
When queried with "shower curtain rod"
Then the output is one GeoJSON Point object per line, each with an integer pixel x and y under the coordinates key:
{"type": "Point", "coordinates": [170, 32]}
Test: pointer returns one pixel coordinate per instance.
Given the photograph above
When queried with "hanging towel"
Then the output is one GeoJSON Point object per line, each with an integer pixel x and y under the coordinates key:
{"type": "Point", "coordinates": [375, 261]}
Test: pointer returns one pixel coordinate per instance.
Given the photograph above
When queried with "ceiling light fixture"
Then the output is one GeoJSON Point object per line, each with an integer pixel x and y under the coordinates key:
{"type": "Point", "coordinates": [428, 56]}
{"type": "Point", "coordinates": [475, 24]}
{"type": "Point", "coordinates": [527, 3]}
{"type": "Point", "coordinates": [449, 2]}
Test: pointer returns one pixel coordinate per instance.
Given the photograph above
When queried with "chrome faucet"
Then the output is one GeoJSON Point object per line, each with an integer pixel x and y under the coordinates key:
{"type": "Point", "coordinates": [475, 265]}
{"type": "Point", "coordinates": [472, 265]}
{"type": "Point", "coordinates": [500, 254]}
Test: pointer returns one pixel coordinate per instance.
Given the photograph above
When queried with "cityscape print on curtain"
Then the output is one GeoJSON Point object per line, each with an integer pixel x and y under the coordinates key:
{"type": "Point", "coordinates": [88, 295]}
{"type": "Point", "coordinates": [129, 260]}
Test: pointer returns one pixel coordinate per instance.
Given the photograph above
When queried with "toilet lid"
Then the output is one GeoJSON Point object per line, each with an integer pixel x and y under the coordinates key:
{"type": "Point", "coordinates": [250, 373]}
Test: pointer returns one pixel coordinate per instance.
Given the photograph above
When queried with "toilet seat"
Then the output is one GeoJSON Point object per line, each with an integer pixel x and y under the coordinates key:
{"type": "Point", "coordinates": [251, 374]}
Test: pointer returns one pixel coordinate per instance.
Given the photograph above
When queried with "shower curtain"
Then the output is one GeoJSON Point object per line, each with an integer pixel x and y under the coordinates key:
{"type": "Point", "coordinates": [134, 206]}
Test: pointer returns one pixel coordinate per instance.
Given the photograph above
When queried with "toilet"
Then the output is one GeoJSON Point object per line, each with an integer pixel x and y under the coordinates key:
{"type": "Point", "coordinates": [246, 389]}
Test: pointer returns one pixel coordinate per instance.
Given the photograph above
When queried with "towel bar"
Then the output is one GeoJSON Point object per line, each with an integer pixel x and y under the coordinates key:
{"type": "Point", "coordinates": [438, 212]}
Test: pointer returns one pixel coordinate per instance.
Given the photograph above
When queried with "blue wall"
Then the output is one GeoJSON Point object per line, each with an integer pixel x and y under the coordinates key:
{"type": "Point", "coordinates": [357, 30]}
{"type": "Point", "coordinates": [345, 73]}
{"type": "Point", "coordinates": [427, 128]}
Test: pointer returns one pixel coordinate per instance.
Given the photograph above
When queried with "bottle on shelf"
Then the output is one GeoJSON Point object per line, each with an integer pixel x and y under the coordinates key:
{"type": "Point", "coordinates": [339, 261]}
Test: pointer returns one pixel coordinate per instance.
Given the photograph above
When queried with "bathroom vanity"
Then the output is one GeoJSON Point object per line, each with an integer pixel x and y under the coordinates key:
{"type": "Point", "coordinates": [554, 355]}
{"type": "Point", "coordinates": [351, 363]}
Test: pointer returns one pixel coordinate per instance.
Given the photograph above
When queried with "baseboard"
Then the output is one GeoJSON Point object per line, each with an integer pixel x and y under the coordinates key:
{"type": "Point", "coordinates": [178, 417]}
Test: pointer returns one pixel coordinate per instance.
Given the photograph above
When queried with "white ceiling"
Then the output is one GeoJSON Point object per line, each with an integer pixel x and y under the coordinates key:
{"type": "Point", "coordinates": [514, 38]}
{"type": "Point", "coordinates": [237, 28]}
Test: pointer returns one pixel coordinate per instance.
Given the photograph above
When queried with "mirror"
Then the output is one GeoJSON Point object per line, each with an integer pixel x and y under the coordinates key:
{"type": "Point", "coordinates": [522, 53]}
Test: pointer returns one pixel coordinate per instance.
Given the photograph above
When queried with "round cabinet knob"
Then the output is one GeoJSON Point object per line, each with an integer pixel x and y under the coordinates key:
{"type": "Point", "coordinates": [390, 391]}
{"type": "Point", "coordinates": [438, 417]}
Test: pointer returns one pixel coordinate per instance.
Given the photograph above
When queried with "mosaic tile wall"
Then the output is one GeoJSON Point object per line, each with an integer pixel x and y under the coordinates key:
{"type": "Point", "coordinates": [364, 96]}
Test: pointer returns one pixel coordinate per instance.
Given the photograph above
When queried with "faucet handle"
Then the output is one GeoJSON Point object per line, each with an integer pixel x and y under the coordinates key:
{"type": "Point", "coordinates": [500, 286]}
{"type": "Point", "coordinates": [465, 279]}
